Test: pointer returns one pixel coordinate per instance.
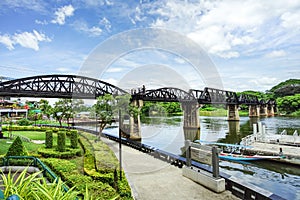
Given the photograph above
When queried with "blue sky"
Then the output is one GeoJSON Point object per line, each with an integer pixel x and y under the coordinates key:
{"type": "Point", "coordinates": [253, 44]}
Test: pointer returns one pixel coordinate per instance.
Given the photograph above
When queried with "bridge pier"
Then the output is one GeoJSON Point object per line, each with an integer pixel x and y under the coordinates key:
{"type": "Point", "coordinates": [135, 122]}
{"type": "Point", "coordinates": [191, 134]}
{"type": "Point", "coordinates": [254, 111]}
{"type": "Point", "coordinates": [263, 110]}
{"type": "Point", "coordinates": [270, 110]}
{"type": "Point", "coordinates": [190, 115]}
{"type": "Point", "coordinates": [233, 112]}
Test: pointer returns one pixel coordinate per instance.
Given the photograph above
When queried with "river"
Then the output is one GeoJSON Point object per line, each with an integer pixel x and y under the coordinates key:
{"type": "Point", "coordinates": [166, 133]}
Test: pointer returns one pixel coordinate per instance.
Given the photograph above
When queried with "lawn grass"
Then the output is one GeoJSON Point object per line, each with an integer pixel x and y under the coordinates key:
{"type": "Point", "coordinates": [30, 146]}
{"type": "Point", "coordinates": [33, 135]}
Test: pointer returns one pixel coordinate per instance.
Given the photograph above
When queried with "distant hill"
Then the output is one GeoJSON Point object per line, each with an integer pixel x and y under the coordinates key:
{"type": "Point", "coordinates": [286, 88]}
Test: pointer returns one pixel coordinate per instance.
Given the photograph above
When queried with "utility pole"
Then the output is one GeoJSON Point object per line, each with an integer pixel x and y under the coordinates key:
{"type": "Point", "coordinates": [120, 143]}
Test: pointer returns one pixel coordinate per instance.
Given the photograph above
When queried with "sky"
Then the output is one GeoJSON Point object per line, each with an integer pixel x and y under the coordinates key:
{"type": "Point", "coordinates": [246, 44]}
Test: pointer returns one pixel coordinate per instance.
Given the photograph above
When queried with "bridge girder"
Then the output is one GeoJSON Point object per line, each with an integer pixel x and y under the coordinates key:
{"type": "Point", "coordinates": [80, 87]}
{"type": "Point", "coordinates": [164, 95]}
{"type": "Point", "coordinates": [215, 96]}
{"type": "Point", "coordinates": [58, 86]}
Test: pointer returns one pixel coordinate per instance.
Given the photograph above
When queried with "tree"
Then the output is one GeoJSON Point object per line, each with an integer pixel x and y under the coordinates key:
{"type": "Point", "coordinates": [63, 110]}
{"type": "Point", "coordinates": [104, 110]}
{"type": "Point", "coordinates": [45, 107]}
{"type": "Point", "coordinates": [289, 104]}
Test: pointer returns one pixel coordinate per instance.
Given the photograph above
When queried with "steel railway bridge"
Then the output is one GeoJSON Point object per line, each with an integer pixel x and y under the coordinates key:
{"type": "Point", "coordinates": [80, 87]}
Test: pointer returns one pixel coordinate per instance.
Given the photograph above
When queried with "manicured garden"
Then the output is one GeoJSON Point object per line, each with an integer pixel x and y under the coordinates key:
{"type": "Point", "coordinates": [81, 162]}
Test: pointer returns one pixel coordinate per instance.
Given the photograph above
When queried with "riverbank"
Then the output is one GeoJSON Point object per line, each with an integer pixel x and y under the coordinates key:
{"type": "Point", "coordinates": [151, 178]}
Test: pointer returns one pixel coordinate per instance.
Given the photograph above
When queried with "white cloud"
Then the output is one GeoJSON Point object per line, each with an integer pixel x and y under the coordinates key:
{"type": "Point", "coordinates": [30, 40]}
{"type": "Point", "coordinates": [25, 39]}
{"type": "Point", "coordinates": [41, 22]}
{"type": "Point", "coordinates": [7, 41]}
{"type": "Point", "coordinates": [290, 20]}
{"type": "Point", "coordinates": [275, 54]}
{"type": "Point", "coordinates": [82, 26]}
{"type": "Point", "coordinates": [38, 6]}
{"type": "Point", "coordinates": [106, 23]}
{"type": "Point", "coordinates": [231, 28]}
{"type": "Point", "coordinates": [62, 13]}
{"type": "Point", "coordinates": [64, 70]}
{"type": "Point", "coordinates": [97, 3]}
{"type": "Point", "coordinates": [267, 82]}
{"type": "Point", "coordinates": [115, 69]}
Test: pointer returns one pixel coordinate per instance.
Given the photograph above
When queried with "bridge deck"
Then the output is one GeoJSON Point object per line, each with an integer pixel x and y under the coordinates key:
{"type": "Point", "coordinates": [152, 178]}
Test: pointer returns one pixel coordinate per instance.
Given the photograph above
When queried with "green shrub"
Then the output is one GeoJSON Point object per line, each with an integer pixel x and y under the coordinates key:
{"type": "Point", "coordinates": [17, 148]}
{"type": "Point", "coordinates": [67, 171]}
{"type": "Point", "coordinates": [74, 139]}
{"type": "Point", "coordinates": [124, 188]}
{"type": "Point", "coordinates": [49, 139]}
{"type": "Point", "coordinates": [61, 141]}
{"type": "Point", "coordinates": [52, 153]}
{"type": "Point", "coordinates": [24, 122]}
{"type": "Point", "coordinates": [55, 130]}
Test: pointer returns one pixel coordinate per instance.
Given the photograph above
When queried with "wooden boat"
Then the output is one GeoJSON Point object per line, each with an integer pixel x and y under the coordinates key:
{"type": "Point", "coordinates": [238, 157]}
{"type": "Point", "coordinates": [235, 152]}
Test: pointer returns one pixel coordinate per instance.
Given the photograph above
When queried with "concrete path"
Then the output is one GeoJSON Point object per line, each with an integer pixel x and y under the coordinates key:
{"type": "Point", "coordinates": [154, 179]}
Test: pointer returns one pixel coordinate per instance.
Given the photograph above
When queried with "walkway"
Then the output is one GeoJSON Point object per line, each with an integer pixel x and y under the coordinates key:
{"type": "Point", "coordinates": [154, 179]}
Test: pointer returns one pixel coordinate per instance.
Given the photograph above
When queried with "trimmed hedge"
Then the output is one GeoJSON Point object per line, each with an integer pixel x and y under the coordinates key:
{"type": "Point", "coordinates": [68, 172]}
{"type": "Point", "coordinates": [52, 153]}
{"type": "Point", "coordinates": [17, 148]}
{"type": "Point", "coordinates": [74, 139]}
{"type": "Point", "coordinates": [61, 141]}
{"type": "Point", "coordinates": [28, 128]}
{"type": "Point", "coordinates": [103, 172]}
{"type": "Point", "coordinates": [49, 139]}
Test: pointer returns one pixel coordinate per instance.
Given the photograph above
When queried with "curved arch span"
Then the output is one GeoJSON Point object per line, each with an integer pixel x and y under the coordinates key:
{"type": "Point", "coordinates": [58, 86]}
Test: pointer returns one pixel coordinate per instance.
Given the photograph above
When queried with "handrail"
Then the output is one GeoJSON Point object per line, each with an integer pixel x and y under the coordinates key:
{"type": "Point", "coordinates": [36, 163]}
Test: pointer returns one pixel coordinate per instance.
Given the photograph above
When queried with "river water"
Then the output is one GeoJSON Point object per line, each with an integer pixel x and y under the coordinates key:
{"type": "Point", "coordinates": [166, 133]}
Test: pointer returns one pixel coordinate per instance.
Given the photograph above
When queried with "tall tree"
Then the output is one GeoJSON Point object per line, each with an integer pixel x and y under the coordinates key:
{"type": "Point", "coordinates": [63, 110]}
{"type": "Point", "coordinates": [104, 110]}
{"type": "Point", "coordinates": [45, 107]}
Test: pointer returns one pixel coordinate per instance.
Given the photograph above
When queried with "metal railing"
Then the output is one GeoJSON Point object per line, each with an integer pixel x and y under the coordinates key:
{"type": "Point", "coordinates": [31, 161]}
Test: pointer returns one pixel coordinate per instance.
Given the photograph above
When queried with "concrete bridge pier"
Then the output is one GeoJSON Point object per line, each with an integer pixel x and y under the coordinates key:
{"type": "Point", "coordinates": [190, 115]}
{"type": "Point", "coordinates": [135, 122]}
{"type": "Point", "coordinates": [263, 110]}
{"type": "Point", "coordinates": [254, 111]}
{"type": "Point", "coordinates": [191, 134]}
{"type": "Point", "coordinates": [191, 123]}
{"type": "Point", "coordinates": [270, 110]}
{"type": "Point", "coordinates": [233, 112]}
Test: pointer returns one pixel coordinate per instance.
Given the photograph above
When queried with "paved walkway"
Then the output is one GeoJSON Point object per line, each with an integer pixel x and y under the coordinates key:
{"type": "Point", "coordinates": [154, 179]}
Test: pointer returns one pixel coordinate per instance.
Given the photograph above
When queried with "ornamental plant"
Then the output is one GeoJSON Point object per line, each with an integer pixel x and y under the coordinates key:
{"type": "Point", "coordinates": [17, 148]}
{"type": "Point", "coordinates": [49, 139]}
{"type": "Point", "coordinates": [74, 139]}
{"type": "Point", "coordinates": [61, 141]}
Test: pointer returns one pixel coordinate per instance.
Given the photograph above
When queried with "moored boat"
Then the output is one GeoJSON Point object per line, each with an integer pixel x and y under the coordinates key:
{"type": "Point", "coordinates": [238, 157]}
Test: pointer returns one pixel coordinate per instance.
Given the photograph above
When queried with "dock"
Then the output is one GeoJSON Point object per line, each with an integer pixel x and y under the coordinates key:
{"type": "Point", "coordinates": [287, 146]}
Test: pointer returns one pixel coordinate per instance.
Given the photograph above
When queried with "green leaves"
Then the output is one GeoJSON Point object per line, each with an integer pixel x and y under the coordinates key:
{"type": "Point", "coordinates": [289, 104]}
{"type": "Point", "coordinates": [17, 148]}
{"type": "Point", "coordinates": [34, 186]}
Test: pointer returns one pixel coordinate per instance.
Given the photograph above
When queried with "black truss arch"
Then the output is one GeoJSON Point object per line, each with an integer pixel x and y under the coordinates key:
{"type": "Point", "coordinates": [166, 94]}
{"type": "Point", "coordinates": [249, 99]}
{"type": "Point", "coordinates": [58, 86]}
{"type": "Point", "coordinates": [217, 96]}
